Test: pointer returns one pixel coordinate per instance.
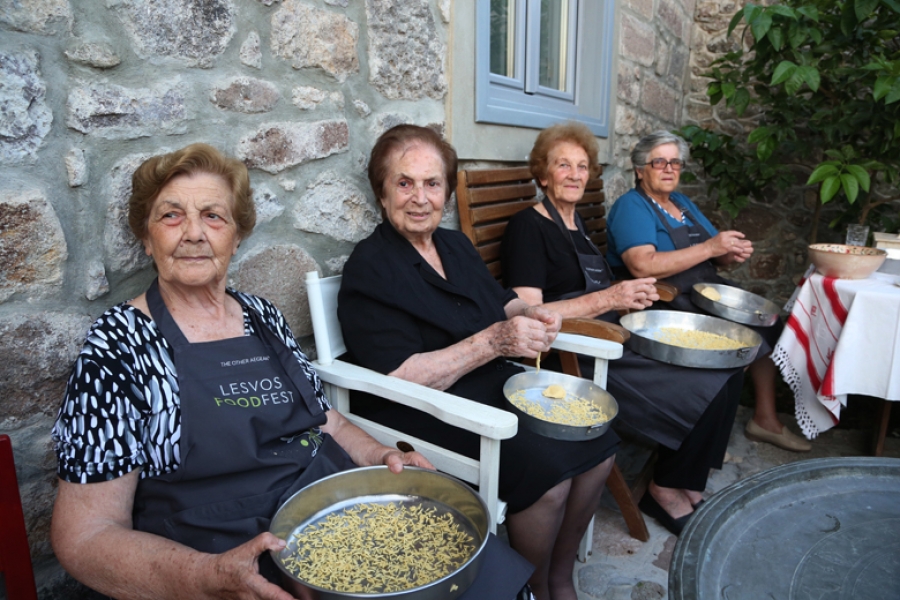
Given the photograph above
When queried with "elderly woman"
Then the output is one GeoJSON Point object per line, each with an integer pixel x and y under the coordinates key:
{"type": "Point", "coordinates": [654, 231]}
{"type": "Point", "coordinates": [548, 260]}
{"type": "Point", "coordinates": [418, 303]}
{"type": "Point", "coordinates": [191, 411]}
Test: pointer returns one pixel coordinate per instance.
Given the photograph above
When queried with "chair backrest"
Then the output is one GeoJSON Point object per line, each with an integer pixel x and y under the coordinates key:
{"type": "Point", "coordinates": [488, 198]}
{"type": "Point", "coordinates": [322, 293]}
{"type": "Point", "coordinates": [15, 556]}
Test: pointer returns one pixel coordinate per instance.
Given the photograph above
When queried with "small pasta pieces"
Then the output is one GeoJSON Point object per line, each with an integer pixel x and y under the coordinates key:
{"type": "Point", "coordinates": [377, 548]}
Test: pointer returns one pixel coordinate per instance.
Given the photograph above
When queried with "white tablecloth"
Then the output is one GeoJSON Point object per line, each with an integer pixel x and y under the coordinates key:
{"type": "Point", "coordinates": [842, 337]}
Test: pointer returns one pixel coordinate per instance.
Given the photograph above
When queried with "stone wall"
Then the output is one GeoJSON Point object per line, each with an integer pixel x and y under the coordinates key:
{"type": "Point", "coordinates": [298, 89]}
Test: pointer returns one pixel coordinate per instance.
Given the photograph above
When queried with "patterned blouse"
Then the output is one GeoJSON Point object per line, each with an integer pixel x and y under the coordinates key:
{"type": "Point", "coordinates": [122, 409]}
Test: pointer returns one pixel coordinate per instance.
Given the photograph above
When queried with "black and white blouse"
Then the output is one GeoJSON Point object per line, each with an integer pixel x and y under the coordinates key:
{"type": "Point", "coordinates": [122, 409]}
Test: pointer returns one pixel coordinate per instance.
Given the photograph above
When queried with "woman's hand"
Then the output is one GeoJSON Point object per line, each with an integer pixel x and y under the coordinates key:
{"type": "Point", "coordinates": [730, 246]}
{"type": "Point", "coordinates": [235, 574]}
{"type": "Point", "coordinates": [630, 294]}
{"type": "Point", "coordinates": [396, 460]}
{"type": "Point", "coordinates": [521, 336]}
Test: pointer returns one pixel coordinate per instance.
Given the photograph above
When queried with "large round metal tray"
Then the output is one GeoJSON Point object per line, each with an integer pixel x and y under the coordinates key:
{"type": "Point", "coordinates": [533, 383]}
{"type": "Point", "coordinates": [645, 326]}
{"type": "Point", "coordinates": [736, 305]}
{"type": "Point", "coordinates": [412, 486]}
{"type": "Point", "coordinates": [821, 528]}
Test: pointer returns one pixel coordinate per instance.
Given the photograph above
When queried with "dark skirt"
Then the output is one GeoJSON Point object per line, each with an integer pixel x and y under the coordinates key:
{"type": "Point", "coordinates": [530, 464]}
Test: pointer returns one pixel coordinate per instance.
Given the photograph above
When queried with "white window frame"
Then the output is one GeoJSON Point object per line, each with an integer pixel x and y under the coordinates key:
{"type": "Point", "coordinates": [519, 101]}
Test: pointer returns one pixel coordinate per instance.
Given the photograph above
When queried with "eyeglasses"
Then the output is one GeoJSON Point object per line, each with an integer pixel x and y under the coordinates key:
{"type": "Point", "coordinates": [660, 164]}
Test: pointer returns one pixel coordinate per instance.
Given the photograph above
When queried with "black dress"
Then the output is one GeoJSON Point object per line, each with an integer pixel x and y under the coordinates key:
{"type": "Point", "coordinates": [686, 410]}
{"type": "Point", "coordinates": [393, 304]}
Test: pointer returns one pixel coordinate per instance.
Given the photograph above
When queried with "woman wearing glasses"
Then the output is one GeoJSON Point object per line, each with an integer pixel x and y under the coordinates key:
{"type": "Point", "coordinates": [548, 260]}
{"type": "Point", "coordinates": [655, 231]}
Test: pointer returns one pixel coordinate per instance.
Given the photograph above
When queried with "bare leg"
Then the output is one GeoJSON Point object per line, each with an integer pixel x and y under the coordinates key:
{"type": "Point", "coordinates": [672, 500]}
{"type": "Point", "coordinates": [584, 497]}
{"type": "Point", "coordinates": [532, 533]}
{"type": "Point", "coordinates": [763, 372]}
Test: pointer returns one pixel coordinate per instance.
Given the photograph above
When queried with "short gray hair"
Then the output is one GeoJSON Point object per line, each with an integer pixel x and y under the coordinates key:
{"type": "Point", "coordinates": [650, 141]}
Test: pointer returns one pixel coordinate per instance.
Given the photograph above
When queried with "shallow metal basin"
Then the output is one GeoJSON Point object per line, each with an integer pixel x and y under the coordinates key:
{"type": "Point", "coordinates": [737, 305]}
{"type": "Point", "coordinates": [377, 484]}
{"type": "Point", "coordinates": [645, 328]}
{"type": "Point", "coordinates": [533, 383]}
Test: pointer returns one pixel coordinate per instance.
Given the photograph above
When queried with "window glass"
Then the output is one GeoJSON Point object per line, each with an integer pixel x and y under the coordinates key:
{"type": "Point", "coordinates": [554, 44]}
{"type": "Point", "coordinates": [503, 18]}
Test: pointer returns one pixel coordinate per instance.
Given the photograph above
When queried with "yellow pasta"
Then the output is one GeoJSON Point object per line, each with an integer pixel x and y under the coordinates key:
{"type": "Point", "coordinates": [378, 548]}
{"type": "Point", "coordinates": [696, 340]}
{"type": "Point", "coordinates": [554, 391]}
{"type": "Point", "coordinates": [570, 410]}
{"type": "Point", "coordinates": [711, 293]}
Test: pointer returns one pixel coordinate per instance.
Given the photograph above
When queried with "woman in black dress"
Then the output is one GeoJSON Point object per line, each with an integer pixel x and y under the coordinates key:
{"type": "Point", "coordinates": [418, 303]}
{"type": "Point", "coordinates": [548, 260]}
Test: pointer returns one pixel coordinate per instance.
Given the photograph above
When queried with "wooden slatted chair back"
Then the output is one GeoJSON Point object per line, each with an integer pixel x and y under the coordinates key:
{"type": "Point", "coordinates": [488, 198]}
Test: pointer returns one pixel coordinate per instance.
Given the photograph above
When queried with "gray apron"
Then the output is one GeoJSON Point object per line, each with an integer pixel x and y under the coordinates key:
{"type": "Point", "coordinates": [250, 440]}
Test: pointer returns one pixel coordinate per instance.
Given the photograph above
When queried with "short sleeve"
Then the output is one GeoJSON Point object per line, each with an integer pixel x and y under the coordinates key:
{"type": "Point", "coordinates": [120, 391]}
{"type": "Point", "coordinates": [522, 254]}
{"type": "Point", "coordinates": [631, 223]}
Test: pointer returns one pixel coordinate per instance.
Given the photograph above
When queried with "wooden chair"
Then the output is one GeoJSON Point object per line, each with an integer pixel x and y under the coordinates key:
{"type": "Point", "coordinates": [15, 556]}
{"type": "Point", "coordinates": [486, 200]}
{"type": "Point", "coordinates": [492, 424]}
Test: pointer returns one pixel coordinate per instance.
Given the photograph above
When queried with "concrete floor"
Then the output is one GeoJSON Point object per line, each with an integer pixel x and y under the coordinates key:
{"type": "Point", "coordinates": [622, 568]}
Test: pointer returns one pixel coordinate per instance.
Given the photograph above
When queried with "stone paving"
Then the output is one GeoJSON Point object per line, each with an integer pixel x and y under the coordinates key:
{"type": "Point", "coordinates": [622, 568]}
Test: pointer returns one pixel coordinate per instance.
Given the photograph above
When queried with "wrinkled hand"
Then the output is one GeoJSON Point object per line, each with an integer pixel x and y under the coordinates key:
{"type": "Point", "coordinates": [731, 244]}
{"type": "Point", "coordinates": [235, 574]}
{"type": "Point", "coordinates": [551, 320]}
{"type": "Point", "coordinates": [633, 294]}
{"type": "Point", "coordinates": [522, 336]}
{"type": "Point", "coordinates": [395, 460]}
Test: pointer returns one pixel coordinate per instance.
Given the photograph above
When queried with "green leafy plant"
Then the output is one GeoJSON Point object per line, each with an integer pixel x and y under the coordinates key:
{"type": "Point", "coordinates": [823, 80]}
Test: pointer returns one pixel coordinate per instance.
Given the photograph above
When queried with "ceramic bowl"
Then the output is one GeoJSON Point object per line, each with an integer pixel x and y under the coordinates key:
{"type": "Point", "coordinates": [846, 262]}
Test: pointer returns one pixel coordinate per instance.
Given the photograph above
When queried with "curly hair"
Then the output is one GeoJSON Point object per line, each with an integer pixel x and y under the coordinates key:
{"type": "Point", "coordinates": [156, 172]}
{"type": "Point", "coordinates": [572, 131]}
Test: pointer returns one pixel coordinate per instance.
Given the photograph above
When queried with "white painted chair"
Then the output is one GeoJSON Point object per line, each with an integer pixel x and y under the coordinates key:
{"type": "Point", "coordinates": [492, 424]}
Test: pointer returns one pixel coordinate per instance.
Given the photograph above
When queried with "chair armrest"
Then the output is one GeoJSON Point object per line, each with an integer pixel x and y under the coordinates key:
{"type": "Point", "coordinates": [596, 329]}
{"type": "Point", "coordinates": [478, 418]}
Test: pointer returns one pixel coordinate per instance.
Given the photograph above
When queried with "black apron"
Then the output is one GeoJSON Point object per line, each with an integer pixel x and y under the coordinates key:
{"type": "Point", "coordinates": [250, 440]}
{"type": "Point", "coordinates": [705, 272]}
{"type": "Point", "coordinates": [685, 237]}
{"type": "Point", "coordinates": [597, 276]}
{"type": "Point", "coordinates": [656, 400]}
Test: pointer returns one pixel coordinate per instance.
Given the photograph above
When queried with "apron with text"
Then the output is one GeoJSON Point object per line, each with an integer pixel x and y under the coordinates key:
{"type": "Point", "coordinates": [249, 438]}
{"type": "Point", "coordinates": [249, 441]}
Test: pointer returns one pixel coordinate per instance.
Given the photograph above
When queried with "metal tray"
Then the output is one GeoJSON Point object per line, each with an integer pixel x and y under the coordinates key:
{"type": "Point", "coordinates": [821, 528]}
{"type": "Point", "coordinates": [377, 484]}
{"type": "Point", "coordinates": [645, 325]}
{"type": "Point", "coordinates": [533, 383]}
{"type": "Point", "coordinates": [736, 305]}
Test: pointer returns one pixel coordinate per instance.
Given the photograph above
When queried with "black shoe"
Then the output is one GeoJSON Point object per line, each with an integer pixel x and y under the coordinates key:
{"type": "Point", "coordinates": [651, 507]}
{"type": "Point", "coordinates": [699, 504]}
